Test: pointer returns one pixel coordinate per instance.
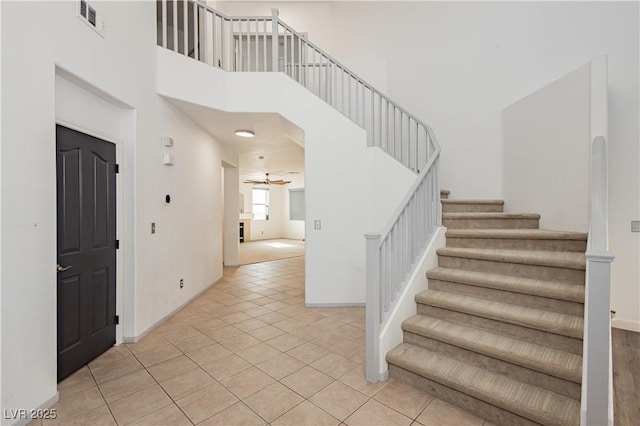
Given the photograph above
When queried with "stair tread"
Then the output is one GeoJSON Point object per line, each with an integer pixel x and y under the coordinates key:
{"type": "Point", "coordinates": [560, 259]}
{"type": "Point", "coordinates": [470, 201]}
{"type": "Point", "coordinates": [490, 215]}
{"type": "Point", "coordinates": [534, 234]}
{"type": "Point", "coordinates": [552, 322]}
{"type": "Point", "coordinates": [538, 357]}
{"type": "Point", "coordinates": [526, 400]}
{"type": "Point", "coordinates": [541, 288]}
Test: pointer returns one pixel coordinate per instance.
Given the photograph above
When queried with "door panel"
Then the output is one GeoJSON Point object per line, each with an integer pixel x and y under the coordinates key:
{"type": "Point", "coordinates": [86, 246]}
{"type": "Point", "coordinates": [69, 162]}
{"type": "Point", "coordinates": [100, 202]}
{"type": "Point", "coordinates": [100, 308]}
{"type": "Point", "coordinates": [69, 304]}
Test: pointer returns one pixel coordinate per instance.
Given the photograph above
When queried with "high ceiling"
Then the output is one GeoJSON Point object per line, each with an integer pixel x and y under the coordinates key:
{"type": "Point", "coordinates": [278, 141]}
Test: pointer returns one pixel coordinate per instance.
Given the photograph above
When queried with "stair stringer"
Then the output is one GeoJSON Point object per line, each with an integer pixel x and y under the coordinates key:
{"type": "Point", "coordinates": [349, 187]}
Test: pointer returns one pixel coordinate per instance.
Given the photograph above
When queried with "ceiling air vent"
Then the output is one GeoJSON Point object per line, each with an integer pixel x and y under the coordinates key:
{"type": "Point", "coordinates": [91, 17]}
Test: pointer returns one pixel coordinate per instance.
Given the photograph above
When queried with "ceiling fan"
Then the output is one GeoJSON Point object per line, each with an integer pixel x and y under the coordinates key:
{"type": "Point", "coordinates": [268, 181]}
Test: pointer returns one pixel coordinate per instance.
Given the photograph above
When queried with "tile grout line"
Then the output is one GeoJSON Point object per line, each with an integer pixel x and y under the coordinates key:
{"type": "Point", "coordinates": [102, 394]}
{"type": "Point", "coordinates": [161, 387]}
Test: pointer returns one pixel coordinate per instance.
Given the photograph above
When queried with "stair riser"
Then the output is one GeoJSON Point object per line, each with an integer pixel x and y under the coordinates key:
{"type": "Point", "coordinates": [471, 208]}
{"type": "Point", "coordinates": [495, 223]}
{"type": "Point", "coordinates": [524, 374]}
{"type": "Point", "coordinates": [473, 405]}
{"type": "Point", "coordinates": [518, 244]}
{"type": "Point", "coordinates": [551, 340]}
{"type": "Point", "coordinates": [547, 273]}
{"type": "Point", "coordinates": [527, 300]}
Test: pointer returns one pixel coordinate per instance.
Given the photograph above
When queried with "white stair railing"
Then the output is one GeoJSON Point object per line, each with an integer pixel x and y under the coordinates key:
{"type": "Point", "coordinates": [266, 44]}
{"type": "Point", "coordinates": [393, 255]}
{"type": "Point", "coordinates": [597, 379]}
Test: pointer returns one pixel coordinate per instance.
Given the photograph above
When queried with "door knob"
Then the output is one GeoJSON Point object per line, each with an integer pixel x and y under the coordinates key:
{"type": "Point", "coordinates": [61, 268]}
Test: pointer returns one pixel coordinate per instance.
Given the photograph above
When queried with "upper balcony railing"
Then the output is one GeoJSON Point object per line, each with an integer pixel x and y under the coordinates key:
{"type": "Point", "coordinates": [266, 44]}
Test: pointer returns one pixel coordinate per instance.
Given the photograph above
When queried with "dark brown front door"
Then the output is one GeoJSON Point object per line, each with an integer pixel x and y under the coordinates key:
{"type": "Point", "coordinates": [86, 193]}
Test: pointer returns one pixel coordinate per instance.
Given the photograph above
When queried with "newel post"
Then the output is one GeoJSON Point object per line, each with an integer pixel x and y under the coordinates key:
{"type": "Point", "coordinates": [597, 390]}
{"type": "Point", "coordinates": [275, 55]}
{"type": "Point", "coordinates": [597, 340]}
{"type": "Point", "coordinates": [372, 312]}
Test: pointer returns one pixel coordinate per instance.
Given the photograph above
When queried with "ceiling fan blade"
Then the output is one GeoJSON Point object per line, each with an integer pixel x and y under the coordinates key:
{"type": "Point", "coordinates": [255, 182]}
{"type": "Point", "coordinates": [279, 182]}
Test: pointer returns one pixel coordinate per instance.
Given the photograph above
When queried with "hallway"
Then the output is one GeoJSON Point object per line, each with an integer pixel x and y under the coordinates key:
{"type": "Point", "coordinates": [247, 352]}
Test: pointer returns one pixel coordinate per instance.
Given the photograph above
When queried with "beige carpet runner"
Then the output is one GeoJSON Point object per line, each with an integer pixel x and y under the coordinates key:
{"type": "Point", "coordinates": [499, 331]}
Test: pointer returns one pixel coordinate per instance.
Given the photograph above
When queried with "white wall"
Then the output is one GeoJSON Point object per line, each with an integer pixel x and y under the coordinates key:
{"type": "Point", "coordinates": [456, 65]}
{"type": "Point", "coordinates": [38, 38]}
{"type": "Point", "coordinates": [339, 169]}
{"type": "Point", "coordinates": [546, 145]}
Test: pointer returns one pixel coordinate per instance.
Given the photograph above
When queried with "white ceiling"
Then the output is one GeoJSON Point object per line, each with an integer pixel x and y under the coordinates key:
{"type": "Point", "coordinates": [276, 139]}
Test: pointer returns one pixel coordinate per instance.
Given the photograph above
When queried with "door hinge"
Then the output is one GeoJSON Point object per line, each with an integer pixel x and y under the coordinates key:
{"type": "Point", "coordinates": [116, 320]}
{"type": "Point", "coordinates": [117, 244]}
{"type": "Point", "coordinates": [117, 168]}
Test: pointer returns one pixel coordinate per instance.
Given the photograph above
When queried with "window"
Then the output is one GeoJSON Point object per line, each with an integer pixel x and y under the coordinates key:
{"type": "Point", "coordinates": [260, 204]}
{"type": "Point", "coordinates": [296, 204]}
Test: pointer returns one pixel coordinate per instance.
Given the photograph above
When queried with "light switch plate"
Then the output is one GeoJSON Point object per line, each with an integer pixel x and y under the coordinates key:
{"type": "Point", "coordinates": [317, 224]}
{"type": "Point", "coordinates": [167, 159]}
{"type": "Point", "coordinates": [635, 226]}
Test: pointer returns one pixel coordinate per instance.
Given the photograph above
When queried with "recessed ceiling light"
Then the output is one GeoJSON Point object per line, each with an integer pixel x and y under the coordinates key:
{"type": "Point", "coordinates": [245, 133]}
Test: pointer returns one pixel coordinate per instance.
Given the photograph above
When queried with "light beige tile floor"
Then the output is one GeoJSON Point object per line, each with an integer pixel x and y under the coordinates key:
{"type": "Point", "coordinates": [247, 352]}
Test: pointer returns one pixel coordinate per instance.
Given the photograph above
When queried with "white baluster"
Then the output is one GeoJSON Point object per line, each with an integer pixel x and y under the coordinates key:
{"type": "Point", "coordinates": [214, 40]}
{"type": "Point", "coordinates": [372, 311]}
{"type": "Point", "coordinates": [205, 37]}
{"type": "Point", "coordinates": [174, 21]}
{"type": "Point", "coordinates": [185, 28]}
{"type": "Point", "coordinates": [274, 40]}
{"type": "Point", "coordinates": [164, 23]}
{"type": "Point", "coordinates": [196, 41]}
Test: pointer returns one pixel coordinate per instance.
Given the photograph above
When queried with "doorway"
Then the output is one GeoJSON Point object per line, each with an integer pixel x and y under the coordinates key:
{"type": "Point", "coordinates": [86, 247]}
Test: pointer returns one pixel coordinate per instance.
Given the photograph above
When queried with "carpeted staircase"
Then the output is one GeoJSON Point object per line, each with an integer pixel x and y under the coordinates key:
{"type": "Point", "coordinates": [499, 331]}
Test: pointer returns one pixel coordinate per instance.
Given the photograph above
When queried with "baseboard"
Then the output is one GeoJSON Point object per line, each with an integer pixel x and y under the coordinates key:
{"type": "Point", "coordinates": [384, 375]}
{"type": "Point", "coordinates": [40, 408]}
{"type": "Point", "coordinates": [625, 325]}
{"type": "Point", "coordinates": [334, 305]}
{"type": "Point", "coordinates": [133, 339]}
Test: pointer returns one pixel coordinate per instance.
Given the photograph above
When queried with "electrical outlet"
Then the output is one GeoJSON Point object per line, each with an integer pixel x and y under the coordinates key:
{"type": "Point", "coordinates": [153, 227]}
{"type": "Point", "coordinates": [181, 282]}
{"type": "Point", "coordinates": [635, 226]}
